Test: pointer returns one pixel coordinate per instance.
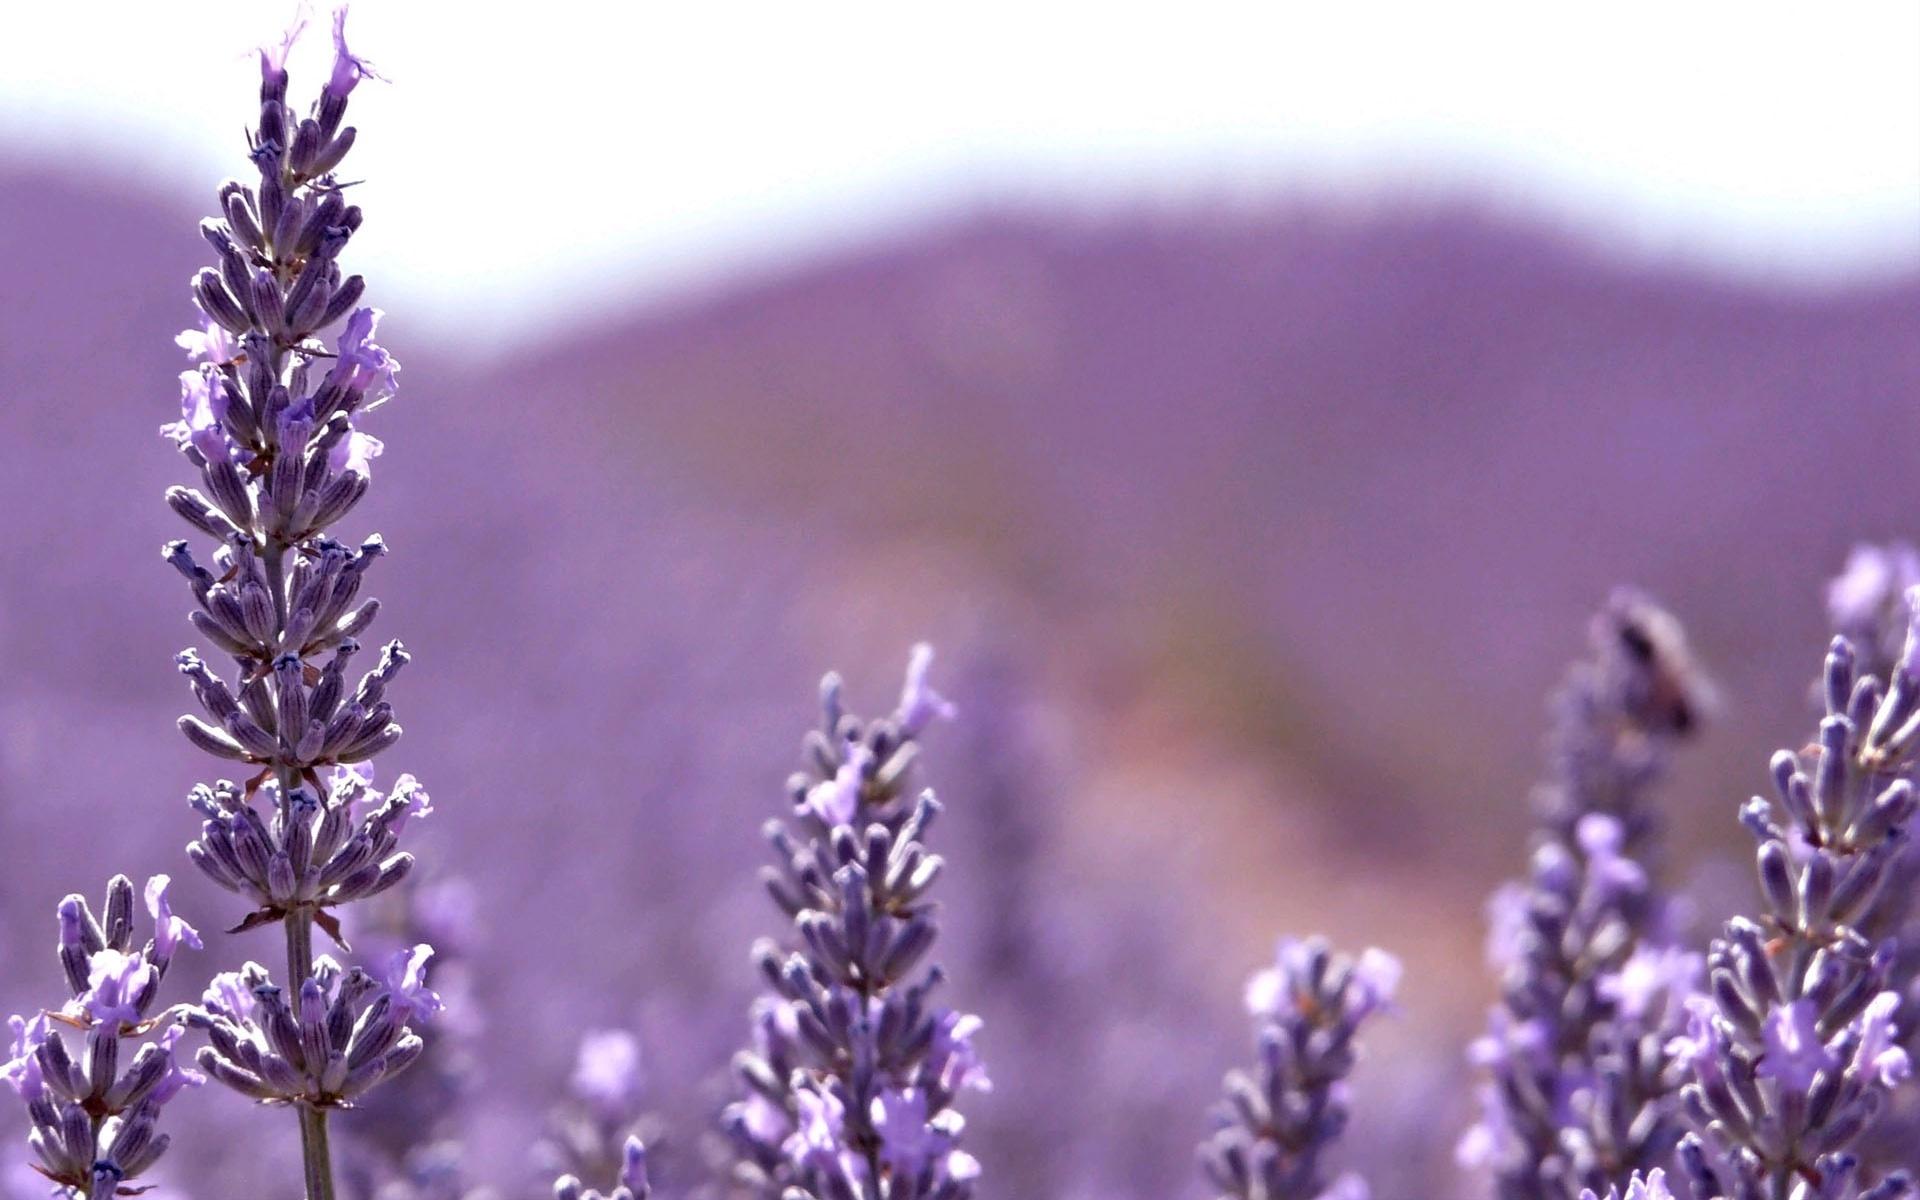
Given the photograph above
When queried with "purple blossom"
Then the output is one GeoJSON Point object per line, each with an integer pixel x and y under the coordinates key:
{"type": "Point", "coordinates": [406, 981]}
{"type": "Point", "coordinates": [348, 68]}
{"type": "Point", "coordinates": [1654, 982]}
{"type": "Point", "coordinates": [211, 343]}
{"type": "Point", "coordinates": [203, 406]}
{"type": "Point", "coordinates": [920, 705]}
{"type": "Point", "coordinates": [1577, 1088]}
{"type": "Point", "coordinates": [607, 1073]}
{"type": "Point", "coordinates": [1825, 849]}
{"type": "Point", "coordinates": [1879, 1054]}
{"type": "Point", "coordinates": [847, 1041]}
{"type": "Point", "coordinates": [22, 1069]}
{"type": "Point", "coordinates": [116, 984]}
{"type": "Point", "coordinates": [169, 931]}
{"type": "Point", "coordinates": [836, 801]}
{"type": "Point", "coordinates": [1281, 1117]}
{"type": "Point", "coordinates": [819, 1127]}
{"type": "Point", "coordinates": [1794, 1052]}
{"type": "Point", "coordinates": [954, 1059]}
{"type": "Point", "coordinates": [354, 454]}
{"type": "Point", "coordinates": [363, 368]}
{"type": "Point", "coordinates": [178, 1077]}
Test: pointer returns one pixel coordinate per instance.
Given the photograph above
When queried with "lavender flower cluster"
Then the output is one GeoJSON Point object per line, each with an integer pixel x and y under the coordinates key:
{"type": "Point", "coordinates": [848, 1091]}
{"type": "Point", "coordinates": [1621, 1054]}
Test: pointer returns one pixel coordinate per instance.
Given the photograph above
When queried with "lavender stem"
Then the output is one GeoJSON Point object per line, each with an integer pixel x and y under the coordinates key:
{"type": "Point", "coordinates": [316, 1152]}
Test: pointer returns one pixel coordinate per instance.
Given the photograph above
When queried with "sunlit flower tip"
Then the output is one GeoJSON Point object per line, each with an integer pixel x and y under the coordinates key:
{"type": "Point", "coordinates": [633, 1166]}
{"type": "Point", "coordinates": [819, 1118]}
{"type": "Point", "coordinates": [958, 1060]}
{"type": "Point", "coordinates": [1266, 991]}
{"type": "Point", "coordinates": [1507, 925]}
{"type": "Point", "coordinates": [114, 983]}
{"type": "Point", "coordinates": [920, 705]}
{"type": "Point", "coordinates": [962, 1167]}
{"type": "Point", "coordinates": [1599, 835]}
{"type": "Point", "coordinates": [71, 913]}
{"type": "Point", "coordinates": [1795, 1055]}
{"type": "Point", "coordinates": [1377, 974]}
{"type": "Point", "coordinates": [406, 981]}
{"type": "Point", "coordinates": [1878, 1054]}
{"type": "Point", "coordinates": [607, 1073]}
{"type": "Point", "coordinates": [348, 68]}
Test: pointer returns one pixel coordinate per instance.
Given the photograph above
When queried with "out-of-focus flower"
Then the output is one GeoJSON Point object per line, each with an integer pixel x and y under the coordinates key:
{"type": "Point", "coordinates": [1283, 1116]}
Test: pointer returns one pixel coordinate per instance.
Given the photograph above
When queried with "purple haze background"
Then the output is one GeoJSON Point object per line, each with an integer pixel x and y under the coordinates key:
{"type": "Point", "coordinates": [1251, 543]}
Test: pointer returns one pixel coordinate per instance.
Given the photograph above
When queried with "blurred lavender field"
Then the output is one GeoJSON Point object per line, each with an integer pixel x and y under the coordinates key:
{"type": "Point", "coordinates": [1251, 542]}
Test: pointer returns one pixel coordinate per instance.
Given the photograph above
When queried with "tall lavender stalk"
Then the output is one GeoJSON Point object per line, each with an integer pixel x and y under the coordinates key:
{"type": "Point", "coordinates": [270, 424]}
{"type": "Point", "coordinates": [1591, 980]}
{"type": "Point", "coordinates": [847, 1091]}
{"type": "Point", "coordinates": [1793, 1050]}
{"type": "Point", "coordinates": [92, 1126]}
{"type": "Point", "coordinates": [1867, 605]}
{"type": "Point", "coordinates": [1282, 1117]}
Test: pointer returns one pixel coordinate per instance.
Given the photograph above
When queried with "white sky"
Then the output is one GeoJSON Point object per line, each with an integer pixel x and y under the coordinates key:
{"type": "Point", "coordinates": [529, 162]}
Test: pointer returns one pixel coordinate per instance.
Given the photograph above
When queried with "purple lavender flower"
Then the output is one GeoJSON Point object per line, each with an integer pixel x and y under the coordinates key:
{"type": "Point", "coordinates": [341, 1033]}
{"type": "Point", "coordinates": [1592, 986]}
{"type": "Point", "coordinates": [1281, 1118]}
{"type": "Point", "coordinates": [93, 1125]}
{"type": "Point", "coordinates": [279, 449]}
{"type": "Point", "coordinates": [1792, 1051]}
{"type": "Point", "coordinates": [590, 1133]}
{"type": "Point", "coordinates": [1869, 605]}
{"type": "Point", "coordinates": [848, 1089]}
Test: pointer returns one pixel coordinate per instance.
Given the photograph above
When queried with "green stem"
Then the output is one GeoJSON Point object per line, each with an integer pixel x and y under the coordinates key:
{"type": "Point", "coordinates": [315, 1151]}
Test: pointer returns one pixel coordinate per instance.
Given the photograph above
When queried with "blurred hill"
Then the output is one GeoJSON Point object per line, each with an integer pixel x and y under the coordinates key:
{"type": "Point", "coordinates": [1252, 544]}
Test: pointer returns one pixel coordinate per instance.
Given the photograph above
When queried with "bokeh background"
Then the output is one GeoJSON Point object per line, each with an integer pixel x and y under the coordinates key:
{"type": "Point", "coordinates": [1250, 402]}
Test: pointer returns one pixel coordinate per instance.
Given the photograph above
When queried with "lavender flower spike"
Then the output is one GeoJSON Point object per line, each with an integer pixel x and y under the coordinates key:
{"type": "Point", "coordinates": [1283, 1115]}
{"type": "Point", "coordinates": [1792, 1052]}
{"type": "Point", "coordinates": [92, 1123]}
{"type": "Point", "coordinates": [1579, 1092]}
{"type": "Point", "coordinates": [848, 1090]}
{"type": "Point", "coordinates": [271, 420]}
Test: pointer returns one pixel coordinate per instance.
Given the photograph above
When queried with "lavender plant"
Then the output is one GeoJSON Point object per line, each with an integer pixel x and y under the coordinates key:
{"type": "Point", "coordinates": [92, 1126]}
{"type": "Point", "coordinates": [1280, 1118]}
{"type": "Point", "coordinates": [590, 1130]}
{"type": "Point", "coordinates": [1867, 605]}
{"type": "Point", "coordinates": [848, 1090]}
{"type": "Point", "coordinates": [271, 423]}
{"type": "Point", "coordinates": [1592, 981]}
{"type": "Point", "coordinates": [1793, 1049]}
